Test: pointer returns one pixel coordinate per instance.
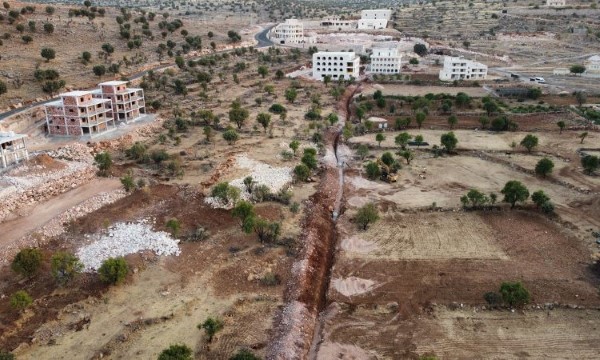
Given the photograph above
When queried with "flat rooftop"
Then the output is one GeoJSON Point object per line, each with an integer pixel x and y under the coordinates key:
{"type": "Point", "coordinates": [8, 137]}
{"type": "Point", "coordinates": [113, 83]}
{"type": "Point", "coordinates": [76, 93]}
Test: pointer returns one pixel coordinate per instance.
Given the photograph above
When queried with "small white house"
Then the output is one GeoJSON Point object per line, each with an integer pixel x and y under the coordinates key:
{"type": "Point", "coordinates": [592, 65]}
{"type": "Point", "coordinates": [459, 68]}
{"type": "Point", "coordinates": [372, 24]}
{"type": "Point", "coordinates": [386, 60]}
{"type": "Point", "coordinates": [556, 3]}
{"type": "Point", "coordinates": [378, 123]}
{"type": "Point", "coordinates": [376, 14]}
{"type": "Point", "coordinates": [344, 65]}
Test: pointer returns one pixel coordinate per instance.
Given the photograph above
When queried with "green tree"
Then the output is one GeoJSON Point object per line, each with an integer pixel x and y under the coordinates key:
{"type": "Point", "coordinates": [420, 118]}
{"type": "Point", "coordinates": [407, 155]}
{"type": "Point", "coordinates": [48, 54]}
{"type": "Point", "coordinates": [108, 49]}
{"type": "Point", "coordinates": [360, 113]}
{"type": "Point", "coordinates": [20, 300]}
{"type": "Point", "coordinates": [362, 151]}
{"type": "Point", "coordinates": [514, 294]}
{"type": "Point", "coordinates": [580, 97]}
{"type": "Point", "coordinates": [583, 136]}
{"type": "Point", "coordinates": [413, 61]}
{"type": "Point", "coordinates": [104, 162]}
{"type": "Point", "coordinates": [449, 141]}
{"type": "Point", "coordinates": [490, 107]}
{"type": "Point", "coordinates": [27, 262]}
{"type": "Point", "coordinates": [86, 57]}
{"type": "Point", "coordinates": [514, 191]}
{"type": "Point", "coordinates": [379, 138]}
{"type": "Point", "coordinates": [402, 139]}
{"type": "Point", "coordinates": [264, 120]}
{"type": "Point", "coordinates": [294, 145]}
{"type": "Point", "coordinates": [462, 99]}
{"type": "Point", "coordinates": [484, 121]}
{"type": "Point", "coordinates": [263, 71]}
{"type": "Point", "coordinates": [577, 69]}
{"type": "Point", "coordinates": [327, 80]}
{"type": "Point", "coordinates": [238, 115]}
{"type": "Point", "coordinates": [366, 215]}
{"type": "Point", "coordinates": [561, 125]}
{"type": "Point", "coordinates": [113, 270]}
{"type": "Point", "coordinates": [539, 198]}
{"type": "Point", "coordinates": [419, 140]}
{"type": "Point", "coordinates": [387, 158]}
{"type": "Point", "coordinates": [332, 118]}
{"type": "Point", "coordinates": [279, 74]}
{"type": "Point", "coordinates": [372, 170]}
{"type": "Point", "coordinates": [302, 172]}
{"type": "Point", "coordinates": [529, 142]}
{"type": "Point", "coordinates": [243, 210]}
{"type": "Point", "coordinates": [26, 39]}
{"type": "Point", "coordinates": [99, 70]}
{"type": "Point", "coordinates": [476, 198]}
{"type": "Point", "coordinates": [291, 94]}
{"type": "Point", "coordinates": [452, 121]}
{"type": "Point", "coordinates": [231, 136]}
{"type": "Point", "coordinates": [590, 163]}
{"type": "Point", "coordinates": [176, 352]}
{"type": "Point", "coordinates": [65, 267]}
{"type": "Point", "coordinates": [420, 49]}
{"type": "Point", "coordinates": [48, 28]}
{"type": "Point", "coordinates": [220, 192]}
{"type": "Point", "coordinates": [211, 326]}
{"type": "Point", "coordinates": [544, 167]}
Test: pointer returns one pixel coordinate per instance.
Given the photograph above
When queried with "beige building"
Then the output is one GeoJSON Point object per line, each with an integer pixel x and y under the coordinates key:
{"type": "Point", "coordinates": [12, 149]}
{"type": "Point", "coordinates": [592, 65]}
{"type": "Point", "coordinates": [386, 60]}
{"type": "Point", "coordinates": [556, 3]}
{"type": "Point", "coordinates": [459, 68]}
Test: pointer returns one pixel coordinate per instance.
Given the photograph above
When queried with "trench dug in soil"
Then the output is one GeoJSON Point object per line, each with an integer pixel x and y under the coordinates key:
{"type": "Point", "coordinates": [306, 296]}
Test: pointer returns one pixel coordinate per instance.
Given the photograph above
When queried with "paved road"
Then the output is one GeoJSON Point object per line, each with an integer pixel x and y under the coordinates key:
{"type": "Point", "coordinates": [260, 37]}
{"type": "Point", "coordinates": [263, 40]}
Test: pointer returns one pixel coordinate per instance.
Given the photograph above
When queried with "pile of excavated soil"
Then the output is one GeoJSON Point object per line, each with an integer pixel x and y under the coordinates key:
{"type": "Point", "coordinates": [353, 286]}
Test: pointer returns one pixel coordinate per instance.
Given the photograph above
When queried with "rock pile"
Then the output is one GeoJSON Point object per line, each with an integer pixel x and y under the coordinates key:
{"type": "Point", "coordinates": [74, 152]}
{"type": "Point", "coordinates": [275, 178]}
{"type": "Point", "coordinates": [123, 239]}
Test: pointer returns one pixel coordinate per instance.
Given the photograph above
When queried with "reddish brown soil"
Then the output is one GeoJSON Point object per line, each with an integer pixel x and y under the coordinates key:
{"type": "Point", "coordinates": [551, 264]}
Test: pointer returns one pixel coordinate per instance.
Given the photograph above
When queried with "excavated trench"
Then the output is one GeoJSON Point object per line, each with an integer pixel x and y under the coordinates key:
{"type": "Point", "coordinates": [298, 326]}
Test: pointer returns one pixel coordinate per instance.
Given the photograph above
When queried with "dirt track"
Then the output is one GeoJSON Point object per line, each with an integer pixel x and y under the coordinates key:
{"type": "Point", "coordinates": [14, 230]}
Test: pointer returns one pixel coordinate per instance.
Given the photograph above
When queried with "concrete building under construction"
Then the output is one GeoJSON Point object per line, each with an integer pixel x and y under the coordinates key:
{"type": "Point", "coordinates": [128, 104]}
{"type": "Point", "coordinates": [12, 149]}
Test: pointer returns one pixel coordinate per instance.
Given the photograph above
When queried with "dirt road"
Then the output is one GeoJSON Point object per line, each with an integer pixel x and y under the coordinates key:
{"type": "Point", "coordinates": [13, 230]}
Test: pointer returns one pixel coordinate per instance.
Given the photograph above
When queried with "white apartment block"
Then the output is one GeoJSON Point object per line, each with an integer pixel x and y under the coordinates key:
{"type": "Point", "coordinates": [386, 60]}
{"type": "Point", "coordinates": [289, 32]}
{"type": "Point", "coordinates": [556, 3]}
{"type": "Point", "coordinates": [344, 65]}
{"type": "Point", "coordinates": [459, 68]}
{"type": "Point", "coordinates": [372, 24]}
{"type": "Point", "coordinates": [376, 14]}
{"type": "Point", "coordinates": [592, 65]}
{"type": "Point", "coordinates": [12, 149]}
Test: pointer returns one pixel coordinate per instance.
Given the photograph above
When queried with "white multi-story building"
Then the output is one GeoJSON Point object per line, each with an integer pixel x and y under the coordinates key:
{"type": "Point", "coordinates": [556, 3]}
{"type": "Point", "coordinates": [289, 32]}
{"type": "Point", "coordinates": [592, 65]}
{"type": "Point", "coordinates": [344, 65]}
{"type": "Point", "coordinates": [459, 68]}
{"type": "Point", "coordinates": [386, 60]}
{"type": "Point", "coordinates": [376, 14]}
{"type": "Point", "coordinates": [372, 24]}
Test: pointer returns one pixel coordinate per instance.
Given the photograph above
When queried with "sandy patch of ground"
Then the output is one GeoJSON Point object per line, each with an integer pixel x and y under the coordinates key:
{"type": "Point", "coordinates": [433, 236]}
{"type": "Point", "coordinates": [330, 350]}
{"type": "Point", "coordinates": [413, 90]}
{"type": "Point", "coordinates": [359, 245]}
{"type": "Point", "coordinates": [353, 286]}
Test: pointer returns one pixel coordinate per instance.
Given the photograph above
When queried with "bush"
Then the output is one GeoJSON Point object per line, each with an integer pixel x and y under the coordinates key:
{"type": "Point", "coordinates": [244, 354]}
{"type": "Point", "coordinates": [104, 162]}
{"type": "Point", "coordinates": [544, 167]}
{"type": "Point", "coordinates": [231, 136]}
{"type": "Point", "coordinates": [174, 226]}
{"type": "Point", "coordinates": [270, 279]}
{"type": "Point", "coordinates": [366, 215]}
{"type": "Point", "coordinates": [10, 356]}
{"type": "Point", "coordinates": [65, 267]}
{"type": "Point", "coordinates": [309, 160]}
{"type": "Point", "coordinates": [20, 300]}
{"type": "Point", "coordinates": [372, 170]}
{"type": "Point", "coordinates": [211, 326]}
{"type": "Point", "coordinates": [136, 151]}
{"type": "Point", "coordinates": [128, 182]}
{"type": "Point", "coordinates": [590, 163]}
{"type": "Point", "coordinates": [301, 172]}
{"type": "Point", "coordinates": [176, 352]}
{"type": "Point", "coordinates": [113, 271]}
{"type": "Point", "coordinates": [514, 294]}
{"type": "Point", "coordinates": [493, 298]}
{"type": "Point", "coordinates": [27, 262]}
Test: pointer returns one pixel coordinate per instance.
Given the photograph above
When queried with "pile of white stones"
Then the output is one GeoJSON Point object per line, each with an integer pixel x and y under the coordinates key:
{"type": "Point", "coordinates": [275, 178]}
{"type": "Point", "coordinates": [126, 238]}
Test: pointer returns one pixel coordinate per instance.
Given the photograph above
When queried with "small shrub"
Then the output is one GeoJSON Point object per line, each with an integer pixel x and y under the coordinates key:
{"type": "Point", "coordinates": [211, 326]}
{"type": "Point", "coordinates": [270, 279]}
{"type": "Point", "coordinates": [113, 270]}
{"type": "Point", "coordinates": [174, 226]}
{"type": "Point", "coordinates": [244, 354]}
{"type": "Point", "coordinates": [366, 215]}
{"type": "Point", "coordinates": [128, 182]}
{"type": "Point", "coordinates": [295, 207]}
{"type": "Point", "coordinates": [65, 267]}
{"type": "Point", "coordinates": [27, 262]}
{"type": "Point", "coordinates": [493, 298]}
{"type": "Point", "coordinates": [514, 294]}
{"type": "Point", "coordinates": [200, 234]}
{"type": "Point", "coordinates": [20, 300]}
{"type": "Point", "coordinates": [176, 352]}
